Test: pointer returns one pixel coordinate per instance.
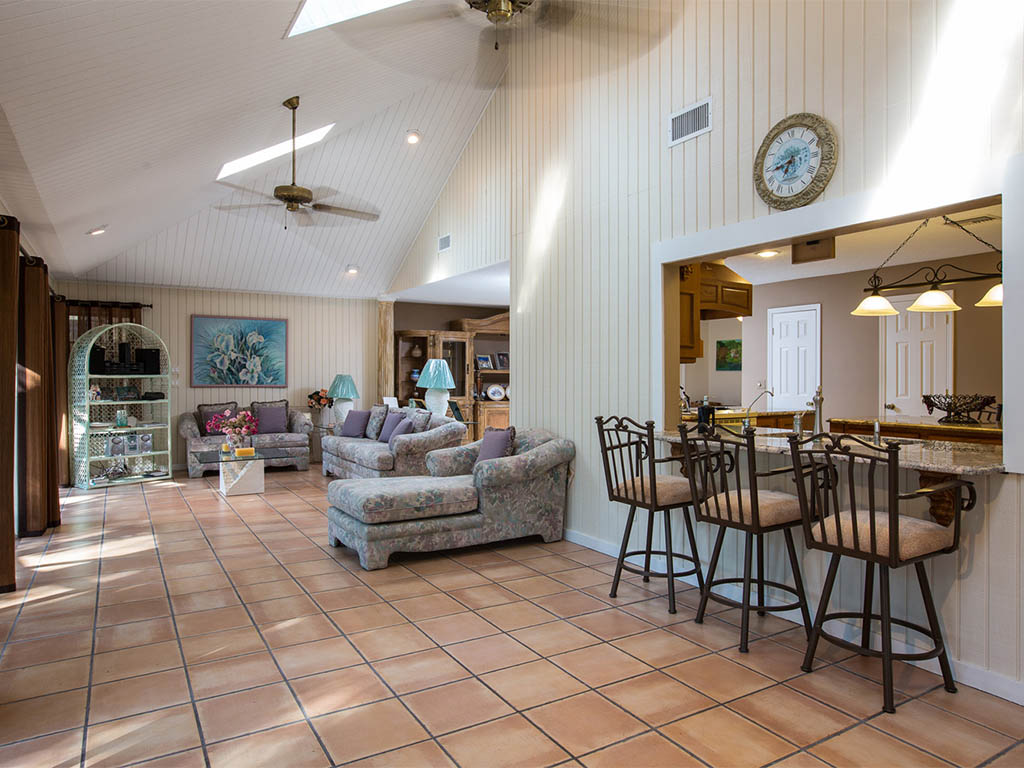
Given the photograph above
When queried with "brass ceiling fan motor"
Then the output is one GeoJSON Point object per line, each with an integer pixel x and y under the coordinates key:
{"type": "Point", "coordinates": [292, 195]}
{"type": "Point", "coordinates": [499, 12]}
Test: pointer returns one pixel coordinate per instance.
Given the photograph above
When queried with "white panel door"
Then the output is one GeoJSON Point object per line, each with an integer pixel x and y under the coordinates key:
{"type": "Point", "coordinates": [794, 368]}
{"type": "Point", "coordinates": [918, 361]}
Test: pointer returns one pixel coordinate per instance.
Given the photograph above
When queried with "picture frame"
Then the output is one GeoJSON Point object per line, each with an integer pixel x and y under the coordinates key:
{"type": "Point", "coordinates": [484, 363]}
{"type": "Point", "coordinates": [231, 351]}
{"type": "Point", "coordinates": [729, 355]}
{"type": "Point", "coordinates": [503, 362]}
{"type": "Point", "coordinates": [416, 402]}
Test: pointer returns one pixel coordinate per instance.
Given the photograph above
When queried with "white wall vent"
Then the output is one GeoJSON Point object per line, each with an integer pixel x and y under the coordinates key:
{"type": "Point", "coordinates": [690, 122]}
{"type": "Point", "coordinates": [444, 243]}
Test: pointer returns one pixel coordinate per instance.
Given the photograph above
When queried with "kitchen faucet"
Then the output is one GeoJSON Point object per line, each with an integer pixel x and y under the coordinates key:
{"type": "Point", "coordinates": [816, 402]}
{"type": "Point", "coordinates": [746, 421]}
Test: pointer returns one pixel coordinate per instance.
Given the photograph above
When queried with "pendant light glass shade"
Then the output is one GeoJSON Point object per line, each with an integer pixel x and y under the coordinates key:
{"type": "Point", "coordinates": [874, 305]}
{"type": "Point", "coordinates": [992, 298]}
{"type": "Point", "coordinates": [934, 301]}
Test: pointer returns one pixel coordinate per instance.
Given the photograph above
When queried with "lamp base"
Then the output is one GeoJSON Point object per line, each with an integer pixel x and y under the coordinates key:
{"type": "Point", "coordinates": [342, 405]}
{"type": "Point", "coordinates": [436, 401]}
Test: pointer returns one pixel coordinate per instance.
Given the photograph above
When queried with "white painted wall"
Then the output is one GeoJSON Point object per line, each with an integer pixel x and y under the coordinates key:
{"type": "Point", "coordinates": [325, 337]}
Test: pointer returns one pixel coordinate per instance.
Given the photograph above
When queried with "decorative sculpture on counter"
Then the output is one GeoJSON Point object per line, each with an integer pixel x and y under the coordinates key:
{"type": "Point", "coordinates": [958, 408]}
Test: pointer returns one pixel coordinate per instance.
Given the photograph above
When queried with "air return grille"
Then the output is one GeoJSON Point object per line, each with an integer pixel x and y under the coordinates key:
{"type": "Point", "coordinates": [444, 243]}
{"type": "Point", "coordinates": [691, 122]}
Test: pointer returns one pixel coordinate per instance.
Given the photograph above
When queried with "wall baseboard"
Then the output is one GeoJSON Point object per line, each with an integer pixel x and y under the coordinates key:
{"type": "Point", "coordinates": [968, 674]}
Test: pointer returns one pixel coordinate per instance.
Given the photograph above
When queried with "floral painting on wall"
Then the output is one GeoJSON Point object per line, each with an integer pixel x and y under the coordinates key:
{"type": "Point", "coordinates": [239, 352]}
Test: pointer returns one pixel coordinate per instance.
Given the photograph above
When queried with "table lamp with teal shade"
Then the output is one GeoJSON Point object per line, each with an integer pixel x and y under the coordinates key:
{"type": "Point", "coordinates": [437, 380]}
{"type": "Point", "coordinates": [343, 391]}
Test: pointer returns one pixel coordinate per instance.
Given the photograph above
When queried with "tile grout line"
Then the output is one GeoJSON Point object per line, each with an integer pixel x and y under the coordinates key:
{"type": "Point", "coordinates": [95, 620]}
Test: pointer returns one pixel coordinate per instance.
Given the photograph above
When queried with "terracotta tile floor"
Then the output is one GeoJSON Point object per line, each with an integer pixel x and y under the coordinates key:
{"type": "Point", "coordinates": [166, 625]}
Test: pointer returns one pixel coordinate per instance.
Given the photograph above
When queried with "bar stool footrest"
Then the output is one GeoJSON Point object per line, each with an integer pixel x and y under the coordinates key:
{"type": "Point", "coordinates": [721, 599]}
{"type": "Point", "coordinates": [852, 646]}
{"type": "Point", "coordinates": [626, 566]}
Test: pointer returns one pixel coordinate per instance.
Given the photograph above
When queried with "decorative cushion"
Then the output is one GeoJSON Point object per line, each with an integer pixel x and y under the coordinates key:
{"type": "Point", "coordinates": [497, 444]}
{"type": "Point", "coordinates": [420, 419]}
{"type": "Point", "coordinates": [917, 537]}
{"type": "Point", "coordinates": [404, 428]}
{"type": "Point", "coordinates": [271, 416]}
{"type": "Point", "coordinates": [371, 454]}
{"type": "Point", "coordinates": [204, 412]}
{"type": "Point", "coordinates": [392, 421]}
{"type": "Point", "coordinates": [773, 507]}
{"type": "Point", "coordinates": [672, 490]}
{"type": "Point", "coordinates": [377, 415]}
{"type": "Point", "coordinates": [281, 440]}
{"type": "Point", "coordinates": [392, 499]}
{"type": "Point", "coordinates": [355, 424]}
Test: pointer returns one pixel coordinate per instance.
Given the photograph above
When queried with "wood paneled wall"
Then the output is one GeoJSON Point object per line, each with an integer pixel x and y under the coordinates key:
{"type": "Point", "coordinates": [473, 207]}
{"type": "Point", "coordinates": [325, 337]}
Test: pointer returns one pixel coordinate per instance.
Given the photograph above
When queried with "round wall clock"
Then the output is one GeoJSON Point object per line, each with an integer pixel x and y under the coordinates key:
{"type": "Point", "coordinates": [795, 161]}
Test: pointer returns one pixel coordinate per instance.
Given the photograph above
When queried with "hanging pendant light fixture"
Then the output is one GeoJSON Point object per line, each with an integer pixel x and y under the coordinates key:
{"type": "Point", "coordinates": [934, 278]}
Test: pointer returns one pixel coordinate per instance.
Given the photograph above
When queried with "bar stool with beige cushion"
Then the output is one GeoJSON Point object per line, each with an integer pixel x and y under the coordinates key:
{"type": "Point", "coordinates": [717, 459]}
{"type": "Point", "coordinates": [630, 469]}
{"type": "Point", "coordinates": [845, 471]}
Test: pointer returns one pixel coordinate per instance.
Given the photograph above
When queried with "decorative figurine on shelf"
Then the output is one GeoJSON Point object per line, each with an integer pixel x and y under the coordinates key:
{"type": "Point", "coordinates": [437, 380]}
{"type": "Point", "coordinates": [95, 393]}
{"type": "Point", "coordinates": [343, 390]}
{"type": "Point", "coordinates": [235, 428]}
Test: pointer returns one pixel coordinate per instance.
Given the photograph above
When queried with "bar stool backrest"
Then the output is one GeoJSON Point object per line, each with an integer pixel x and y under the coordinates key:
{"type": "Point", "coordinates": [716, 458]}
{"type": "Point", "coordinates": [826, 467]}
{"type": "Point", "coordinates": [627, 450]}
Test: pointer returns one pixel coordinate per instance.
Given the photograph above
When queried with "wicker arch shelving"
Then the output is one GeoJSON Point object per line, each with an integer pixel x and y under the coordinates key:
{"type": "Point", "coordinates": [94, 400]}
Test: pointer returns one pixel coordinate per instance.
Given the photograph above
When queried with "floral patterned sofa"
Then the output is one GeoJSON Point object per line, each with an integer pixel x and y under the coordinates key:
{"type": "Point", "coordinates": [458, 504]}
{"type": "Point", "coordinates": [295, 442]}
{"type": "Point", "coordinates": [351, 457]}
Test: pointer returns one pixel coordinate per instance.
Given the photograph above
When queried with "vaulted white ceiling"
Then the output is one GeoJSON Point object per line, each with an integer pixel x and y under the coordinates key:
{"type": "Point", "coordinates": [120, 113]}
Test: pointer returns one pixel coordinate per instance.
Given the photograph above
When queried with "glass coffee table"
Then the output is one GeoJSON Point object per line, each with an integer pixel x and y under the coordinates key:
{"type": "Point", "coordinates": [240, 475]}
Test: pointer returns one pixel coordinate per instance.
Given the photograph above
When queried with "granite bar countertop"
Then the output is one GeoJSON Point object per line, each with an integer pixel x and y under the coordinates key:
{"type": "Point", "coordinates": [739, 413]}
{"type": "Point", "coordinates": [941, 457]}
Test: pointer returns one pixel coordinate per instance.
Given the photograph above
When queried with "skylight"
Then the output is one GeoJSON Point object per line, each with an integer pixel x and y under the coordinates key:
{"type": "Point", "coordinates": [263, 155]}
{"type": "Point", "coordinates": [315, 14]}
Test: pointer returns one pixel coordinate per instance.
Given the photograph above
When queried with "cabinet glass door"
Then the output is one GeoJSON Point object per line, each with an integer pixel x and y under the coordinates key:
{"type": "Point", "coordinates": [455, 352]}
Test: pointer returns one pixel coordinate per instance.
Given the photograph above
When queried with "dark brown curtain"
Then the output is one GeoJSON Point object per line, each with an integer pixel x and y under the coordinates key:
{"type": "Point", "coordinates": [38, 503]}
{"type": "Point", "coordinates": [9, 231]}
{"type": "Point", "coordinates": [70, 319]}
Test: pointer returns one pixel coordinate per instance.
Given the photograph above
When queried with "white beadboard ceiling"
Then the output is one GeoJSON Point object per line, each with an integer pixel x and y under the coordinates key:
{"type": "Point", "coordinates": [121, 113]}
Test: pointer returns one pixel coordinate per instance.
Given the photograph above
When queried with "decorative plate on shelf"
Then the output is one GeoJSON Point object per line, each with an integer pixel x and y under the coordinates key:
{"type": "Point", "coordinates": [495, 392]}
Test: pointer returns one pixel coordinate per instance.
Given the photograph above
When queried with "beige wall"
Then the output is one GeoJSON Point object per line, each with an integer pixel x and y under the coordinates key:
{"type": "Point", "coordinates": [850, 345]}
{"type": "Point", "coordinates": [325, 337]}
{"type": "Point", "coordinates": [413, 316]}
{"type": "Point", "coordinates": [701, 378]}
{"type": "Point", "coordinates": [473, 207]}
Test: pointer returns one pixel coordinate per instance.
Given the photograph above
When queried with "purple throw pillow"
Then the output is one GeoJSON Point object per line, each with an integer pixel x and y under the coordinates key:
{"type": "Point", "coordinates": [271, 416]}
{"type": "Point", "coordinates": [355, 424]}
{"type": "Point", "coordinates": [392, 421]}
{"type": "Point", "coordinates": [497, 444]}
{"type": "Point", "coordinates": [205, 412]}
{"type": "Point", "coordinates": [405, 426]}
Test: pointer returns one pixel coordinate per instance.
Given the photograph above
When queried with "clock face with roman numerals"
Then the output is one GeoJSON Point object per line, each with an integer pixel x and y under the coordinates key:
{"type": "Point", "coordinates": [795, 161]}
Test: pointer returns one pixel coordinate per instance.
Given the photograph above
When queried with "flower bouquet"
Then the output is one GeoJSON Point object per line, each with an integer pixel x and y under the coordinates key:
{"type": "Point", "coordinates": [235, 428]}
{"type": "Point", "coordinates": [319, 400]}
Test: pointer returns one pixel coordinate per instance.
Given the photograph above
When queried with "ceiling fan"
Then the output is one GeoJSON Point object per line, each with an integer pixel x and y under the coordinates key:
{"type": "Point", "coordinates": [297, 199]}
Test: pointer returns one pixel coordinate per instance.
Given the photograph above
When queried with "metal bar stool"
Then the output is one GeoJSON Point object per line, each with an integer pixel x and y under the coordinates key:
{"type": "Point", "coordinates": [715, 465]}
{"type": "Point", "coordinates": [879, 536]}
{"type": "Point", "coordinates": [630, 469]}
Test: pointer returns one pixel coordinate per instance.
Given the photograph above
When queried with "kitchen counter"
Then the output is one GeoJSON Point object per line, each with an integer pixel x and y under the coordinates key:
{"type": "Point", "coordinates": [932, 456]}
{"type": "Point", "coordinates": [960, 433]}
{"type": "Point", "coordinates": [771, 419]}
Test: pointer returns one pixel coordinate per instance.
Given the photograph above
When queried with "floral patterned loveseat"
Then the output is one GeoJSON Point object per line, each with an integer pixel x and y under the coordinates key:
{"type": "Point", "coordinates": [295, 442]}
{"type": "Point", "coordinates": [459, 504]}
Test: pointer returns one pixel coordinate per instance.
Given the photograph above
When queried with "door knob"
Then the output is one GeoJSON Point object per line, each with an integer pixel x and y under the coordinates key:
{"type": "Point", "coordinates": [890, 406]}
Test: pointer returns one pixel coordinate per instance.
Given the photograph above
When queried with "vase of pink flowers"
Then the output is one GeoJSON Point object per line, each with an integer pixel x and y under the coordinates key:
{"type": "Point", "coordinates": [235, 426]}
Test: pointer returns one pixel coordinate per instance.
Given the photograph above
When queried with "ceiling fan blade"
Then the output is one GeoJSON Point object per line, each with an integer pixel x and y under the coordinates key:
{"type": "Point", "coordinates": [245, 207]}
{"type": "Point", "coordinates": [339, 211]}
{"type": "Point", "coordinates": [303, 218]}
{"type": "Point", "coordinates": [240, 188]}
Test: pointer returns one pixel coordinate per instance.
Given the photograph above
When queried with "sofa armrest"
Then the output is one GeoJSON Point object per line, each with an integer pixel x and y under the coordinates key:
{"type": "Point", "coordinates": [516, 469]}
{"type": "Point", "coordinates": [299, 422]}
{"type": "Point", "coordinates": [188, 427]}
{"type": "Point", "coordinates": [433, 439]}
{"type": "Point", "coordinates": [449, 462]}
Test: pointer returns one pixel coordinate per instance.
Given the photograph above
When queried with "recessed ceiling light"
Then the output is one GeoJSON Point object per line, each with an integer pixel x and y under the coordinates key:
{"type": "Point", "coordinates": [263, 155]}
{"type": "Point", "coordinates": [97, 230]}
{"type": "Point", "coordinates": [316, 14]}
{"type": "Point", "coordinates": [352, 269]}
{"type": "Point", "coordinates": [767, 254]}
{"type": "Point", "coordinates": [412, 137]}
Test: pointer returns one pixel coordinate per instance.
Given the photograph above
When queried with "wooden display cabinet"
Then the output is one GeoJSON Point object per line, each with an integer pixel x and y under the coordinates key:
{"type": "Point", "coordinates": [414, 348]}
{"type": "Point", "coordinates": [490, 413]}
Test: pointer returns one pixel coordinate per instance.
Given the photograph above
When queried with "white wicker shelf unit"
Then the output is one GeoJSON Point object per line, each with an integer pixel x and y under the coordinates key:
{"type": "Point", "coordinates": [93, 422]}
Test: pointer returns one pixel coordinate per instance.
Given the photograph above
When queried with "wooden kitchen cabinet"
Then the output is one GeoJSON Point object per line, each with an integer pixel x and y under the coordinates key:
{"type": "Point", "coordinates": [690, 344]}
{"type": "Point", "coordinates": [723, 293]}
{"type": "Point", "coordinates": [490, 414]}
